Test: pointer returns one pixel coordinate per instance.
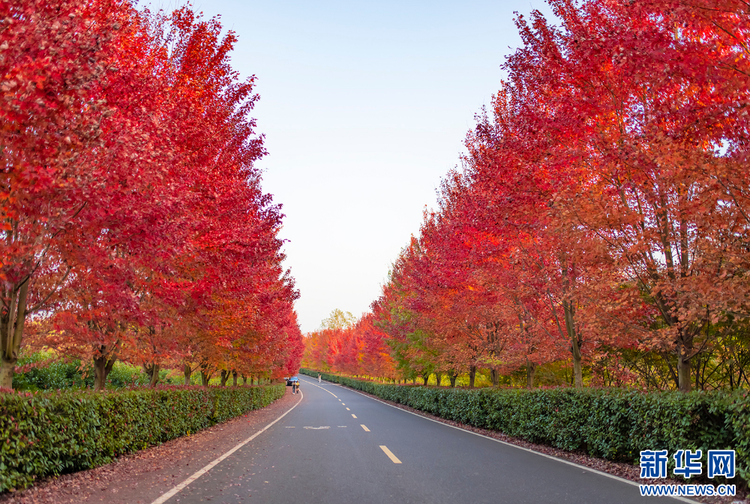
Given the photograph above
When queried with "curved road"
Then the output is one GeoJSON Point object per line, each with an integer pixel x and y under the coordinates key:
{"type": "Point", "coordinates": [339, 447]}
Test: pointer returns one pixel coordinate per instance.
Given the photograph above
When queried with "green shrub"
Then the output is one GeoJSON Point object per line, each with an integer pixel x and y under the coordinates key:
{"type": "Point", "coordinates": [48, 373]}
{"type": "Point", "coordinates": [740, 421]}
{"type": "Point", "coordinates": [53, 433]}
{"type": "Point", "coordinates": [615, 424]}
{"type": "Point", "coordinates": [53, 375]}
{"type": "Point", "coordinates": [125, 375]}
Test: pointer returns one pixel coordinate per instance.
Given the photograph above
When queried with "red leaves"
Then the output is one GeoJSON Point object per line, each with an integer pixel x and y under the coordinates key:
{"type": "Point", "coordinates": [354, 348]}
{"type": "Point", "coordinates": [604, 204]}
{"type": "Point", "coordinates": [139, 210]}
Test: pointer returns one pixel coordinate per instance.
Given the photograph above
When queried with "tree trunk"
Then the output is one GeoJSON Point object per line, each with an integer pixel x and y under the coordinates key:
{"type": "Point", "coordinates": [495, 375]}
{"type": "Point", "coordinates": [102, 367]}
{"type": "Point", "coordinates": [187, 371]}
{"type": "Point", "coordinates": [11, 333]}
{"type": "Point", "coordinates": [152, 370]}
{"type": "Point", "coordinates": [575, 344]}
{"type": "Point", "coordinates": [438, 378]}
{"type": "Point", "coordinates": [452, 378]}
{"type": "Point", "coordinates": [683, 367]}
{"type": "Point", "coordinates": [205, 378]}
{"type": "Point", "coordinates": [425, 378]}
{"type": "Point", "coordinates": [224, 377]}
{"type": "Point", "coordinates": [155, 376]}
{"type": "Point", "coordinates": [577, 372]}
{"type": "Point", "coordinates": [234, 378]}
{"type": "Point", "coordinates": [244, 380]}
{"type": "Point", "coordinates": [472, 376]}
{"type": "Point", "coordinates": [6, 372]}
{"type": "Point", "coordinates": [530, 370]}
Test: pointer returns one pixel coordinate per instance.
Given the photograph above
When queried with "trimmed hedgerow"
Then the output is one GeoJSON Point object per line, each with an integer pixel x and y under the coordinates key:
{"type": "Point", "coordinates": [615, 424]}
{"type": "Point", "coordinates": [43, 434]}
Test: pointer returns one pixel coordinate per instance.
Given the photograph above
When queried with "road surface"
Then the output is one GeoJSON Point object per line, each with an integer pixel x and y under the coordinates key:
{"type": "Point", "coordinates": [339, 447]}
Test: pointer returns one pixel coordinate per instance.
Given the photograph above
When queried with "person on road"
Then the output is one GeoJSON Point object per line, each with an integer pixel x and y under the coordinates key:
{"type": "Point", "coordinates": [295, 386]}
{"type": "Point", "coordinates": [318, 377]}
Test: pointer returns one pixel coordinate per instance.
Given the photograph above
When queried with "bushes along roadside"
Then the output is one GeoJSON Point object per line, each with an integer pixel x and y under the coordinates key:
{"type": "Point", "coordinates": [44, 434]}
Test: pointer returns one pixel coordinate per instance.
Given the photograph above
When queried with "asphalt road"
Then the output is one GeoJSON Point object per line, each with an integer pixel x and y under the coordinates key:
{"type": "Point", "coordinates": [338, 446]}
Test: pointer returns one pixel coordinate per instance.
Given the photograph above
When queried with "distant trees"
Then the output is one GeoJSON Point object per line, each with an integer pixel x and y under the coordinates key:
{"type": "Point", "coordinates": [134, 223]}
{"type": "Point", "coordinates": [348, 345]}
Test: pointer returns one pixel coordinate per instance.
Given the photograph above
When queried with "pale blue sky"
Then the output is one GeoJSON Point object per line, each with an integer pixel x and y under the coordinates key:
{"type": "Point", "coordinates": [365, 106]}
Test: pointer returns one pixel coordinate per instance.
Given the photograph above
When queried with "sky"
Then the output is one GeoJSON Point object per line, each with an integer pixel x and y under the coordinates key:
{"type": "Point", "coordinates": [364, 106]}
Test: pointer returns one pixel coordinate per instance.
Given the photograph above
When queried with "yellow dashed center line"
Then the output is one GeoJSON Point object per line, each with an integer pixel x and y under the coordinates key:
{"type": "Point", "coordinates": [364, 427]}
{"type": "Point", "coordinates": [391, 456]}
{"type": "Point", "coordinates": [354, 416]}
{"type": "Point", "coordinates": [347, 409]}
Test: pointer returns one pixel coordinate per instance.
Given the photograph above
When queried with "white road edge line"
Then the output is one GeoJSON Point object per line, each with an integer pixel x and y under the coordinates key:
{"type": "Point", "coordinates": [390, 454]}
{"type": "Point", "coordinates": [321, 388]}
{"type": "Point", "coordinates": [588, 469]}
{"type": "Point", "coordinates": [174, 491]}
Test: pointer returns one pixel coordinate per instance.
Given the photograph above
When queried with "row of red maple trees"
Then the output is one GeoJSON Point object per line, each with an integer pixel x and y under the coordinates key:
{"type": "Point", "coordinates": [133, 221]}
{"type": "Point", "coordinates": [600, 218]}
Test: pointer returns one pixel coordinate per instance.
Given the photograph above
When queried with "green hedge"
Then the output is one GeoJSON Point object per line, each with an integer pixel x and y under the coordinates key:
{"type": "Point", "coordinates": [615, 424]}
{"type": "Point", "coordinates": [43, 434]}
